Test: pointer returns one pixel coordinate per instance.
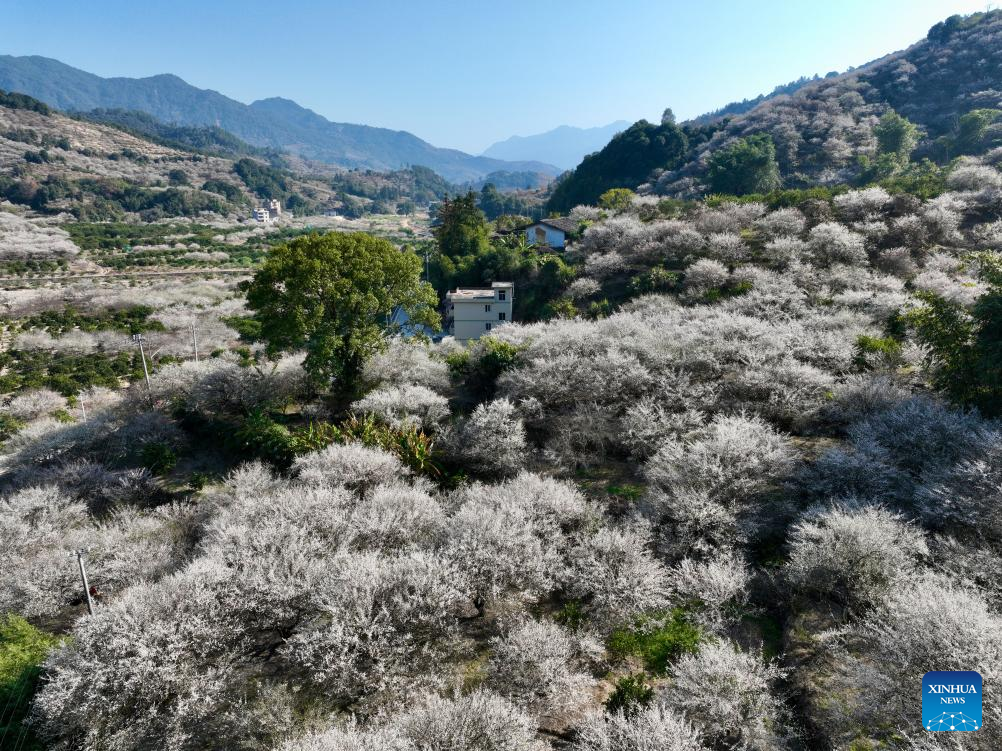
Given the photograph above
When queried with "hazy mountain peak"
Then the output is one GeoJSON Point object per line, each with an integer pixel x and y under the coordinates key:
{"type": "Point", "coordinates": [564, 146]}
{"type": "Point", "coordinates": [274, 122]}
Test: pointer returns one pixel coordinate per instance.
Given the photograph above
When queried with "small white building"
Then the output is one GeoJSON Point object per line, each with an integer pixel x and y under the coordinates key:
{"type": "Point", "coordinates": [550, 233]}
{"type": "Point", "coordinates": [471, 313]}
{"type": "Point", "coordinates": [261, 214]}
{"type": "Point", "coordinates": [275, 208]}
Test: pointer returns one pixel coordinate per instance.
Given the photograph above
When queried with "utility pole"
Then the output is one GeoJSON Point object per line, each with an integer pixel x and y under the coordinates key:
{"type": "Point", "coordinates": [83, 407]}
{"type": "Point", "coordinates": [427, 277]}
{"type": "Point", "coordinates": [83, 577]}
{"type": "Point", "coordinates": [194, 339]}
{"type": "Point", "coordinates": [139, 339]}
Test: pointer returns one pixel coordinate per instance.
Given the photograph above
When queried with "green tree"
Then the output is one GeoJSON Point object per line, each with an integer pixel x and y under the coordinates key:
{"type": "Point", "coordinates": [748, 165]}
{"type": "Point", "coordinates": [625, 162]}
{"type": "Point", "coordinates": [965, 347]}
{"type": "Point", "coordinates": [331, 295]}
{"type": "Point", "coordinates": [616, 199]}
{"type": "Point", "coordinates": [462, 228]}
{"type": "Point", "coordinates": [896, 136]}
{"type": "Point", "coordinates": [972, 131]}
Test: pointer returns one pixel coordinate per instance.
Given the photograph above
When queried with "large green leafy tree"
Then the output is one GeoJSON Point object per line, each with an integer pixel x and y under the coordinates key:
{"type": "Point", "coordinates": [625, 162]}
{"type": "Point", "coordinates": [462, 228]}
{"type": "Point", "coordinates": [896, 135]}
{"type": "Point", "coordinates": [748, 165]}
{"type": "Point", "coordinates": [331, 295]}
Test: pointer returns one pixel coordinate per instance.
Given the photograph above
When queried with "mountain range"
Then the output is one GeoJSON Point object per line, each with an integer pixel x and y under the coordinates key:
{"type": "Point", "coordinates": [564, 146]}
{"type": "Point", "coordinates": [270, 123]}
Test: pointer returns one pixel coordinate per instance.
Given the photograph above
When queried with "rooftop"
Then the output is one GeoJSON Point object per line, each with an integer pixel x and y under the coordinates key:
{"type": "Point", "coordinates": [562, 223]}
{"type": "Point", "coordinates": [479, 294]}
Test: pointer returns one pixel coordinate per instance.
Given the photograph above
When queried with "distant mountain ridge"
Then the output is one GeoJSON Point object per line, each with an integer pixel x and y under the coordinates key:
{"type": "Point", "coordinates": [268, 123]}
{"type": "Point", "coordinates": [564, 146]}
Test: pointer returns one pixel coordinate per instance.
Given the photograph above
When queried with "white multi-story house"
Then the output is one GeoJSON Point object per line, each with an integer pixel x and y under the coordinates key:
{"type": "Point", "coordinates": [471, 313]}
{"type": "Point", "coordinates": [261, 214]}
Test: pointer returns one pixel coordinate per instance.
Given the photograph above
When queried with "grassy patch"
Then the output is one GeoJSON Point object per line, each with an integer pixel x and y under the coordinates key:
{"type": "Point", "coordinates": [657, 639]}
{"type": "Point", "coordinates": [23, 649]}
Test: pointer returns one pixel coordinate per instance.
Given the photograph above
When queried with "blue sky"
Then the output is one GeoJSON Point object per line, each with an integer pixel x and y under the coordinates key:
{"type": "Point", "coordinates": [465, 74]}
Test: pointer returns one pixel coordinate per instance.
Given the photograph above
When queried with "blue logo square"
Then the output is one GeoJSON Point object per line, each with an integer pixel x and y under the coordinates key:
{"type": "Point", "coordinates": [951, 700]}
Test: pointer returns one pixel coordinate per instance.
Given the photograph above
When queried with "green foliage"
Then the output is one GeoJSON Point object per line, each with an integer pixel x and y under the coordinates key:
{"type": "Point", "coordinates": [412, 446]}
{"type": "Point", "coordinates": [15, 101]}
{"type": "Point", "coordinates": [484, 362]}
{"type": "Point", "coordinates": [204, 139]}
{"type": "Point", "coordinates": [231, 192]}
{"type": "Point", "coordinates": [632, 693]}
{"type": "Point", "coordinates": [896, 135]}
{"type": "Point", "coordinates": [572, 615]}
{"type": "Point", "coordinates": [159, 458]}
{"type": "Point", "coordinates": [261, 437]}
{"type": "Point", "coordinates": [887, 346]}
{"type": "Point", "coordinates": [248, 327]}
{"type": "Point", "coordinates": [9, 425]}
{"type": "Point", "coordinates": [627, 491]}
{"type": "Point", "coordinates": [132, 320]}
{"type": "Point", "coordinates": [748, 165]}
{"type": "Point", "coordinates": [261, 179]}
{"type": "Point", "coordinates": [973, 131]}
{"type": "Point", "coordinates": [495, 204]}
{"type": "Point", "coordinates": [68, 374]}
{"type": "Point", "coordinates": [178, 177]}
{"type": "Point", "coordinates": [331, 295]}
{"type": "Point", "coordinates": [965, 348]}
{"type": "Point", "coordinates": [657, 639]}
{"type": "Point", "coordinates": [654, 280]}
{"type": "Point", "coordinates": [924, 180]}
{"type": "Point", "coordinates": [462, 229]}
{"type": "Point", "coordinates": [23, 649]}
{"type": "Point", "coordinates": [625, 162]}
{"type": "Point", "coordinates": [616, 199]}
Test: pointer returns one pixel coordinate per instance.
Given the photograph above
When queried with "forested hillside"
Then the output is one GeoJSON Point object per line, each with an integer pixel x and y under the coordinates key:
{"type": "Point", "coordinates": [275, 122]}
{"type": "Point", "coordinates": [827, 131]}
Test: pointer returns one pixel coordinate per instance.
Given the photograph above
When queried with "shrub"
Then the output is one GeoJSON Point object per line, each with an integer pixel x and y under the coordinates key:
{"type": "Point", "coordinates": [480, 721]}
{"type": "Point", "coordinates": [831, 243]}
{"type": "Point", "coordinates": [853, 555]}
{"type": "Point", "coordinates": [531, 665]}
{"type": "Point", "coordinates": [616, 576]}
{"type": "Point", "coordinates": [717, 589]}
{"type": "Point", "coordinates": [407, 405]}
{"type": "Point", "coordinates": [699, 486]}
{"type": "Point", "coordinates": [653, 728]}
{"type": "Point", "coordinates": [491, 441]}
{"type": "Point", "coordinates": [632, 694]}
{"type": "Point", "coordinates": [158, 458]}
{"type": "Point", "coordinates": [726, 694]}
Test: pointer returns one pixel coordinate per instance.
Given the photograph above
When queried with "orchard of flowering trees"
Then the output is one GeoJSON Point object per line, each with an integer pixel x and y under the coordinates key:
{"type": "Point", "coordinates": [739, 495]}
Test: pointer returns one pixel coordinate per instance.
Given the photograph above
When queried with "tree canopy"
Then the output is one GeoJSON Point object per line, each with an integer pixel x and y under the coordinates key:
{"type": "Point", "coordinates": [748, 165]}
{"type": "Point", "coordinates": [625, 162]}
{"type": "Point", "coordinates": [462, 228]}
{"type": "Point", "coordinates": [330, 295]}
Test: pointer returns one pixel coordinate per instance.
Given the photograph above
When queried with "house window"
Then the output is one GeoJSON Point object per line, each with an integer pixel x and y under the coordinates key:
{"type": "Point", "coordinates": [500, 316]}
{"type": "Point", "coordinates": [487, 308]}
{"type": "Point", "coordinates": [501, 295]}
{"type": "Point", "coordinates": [487, 326]}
